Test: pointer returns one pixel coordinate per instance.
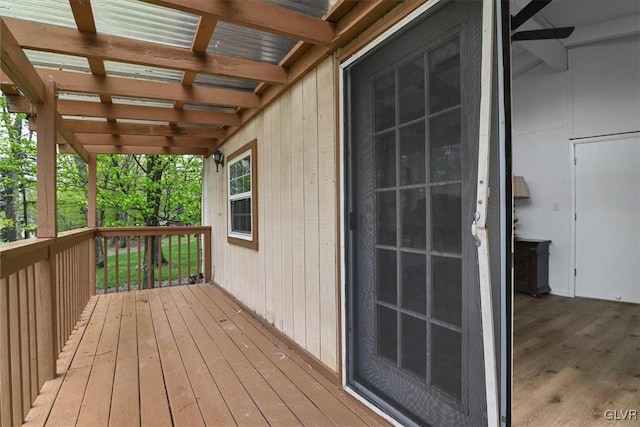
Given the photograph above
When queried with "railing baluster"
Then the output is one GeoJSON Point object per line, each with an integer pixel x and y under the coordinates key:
{"type": "Point", "coordinates": [149, 262]}
{"type": "Point", "coordinates": [128, 263]}
{"type": "Point", "coordinates": [5, 345]}
{"type": "Point", "coordinates": [116, 242]}
{"type": "Point", "coordinates": [139, 254]}
{"type": "Point", "coordinates": [198, 264]}
{"type": "Point", "coordinates": [170, 258]}
{"type": "Point", "coordinates": [14, 334]}
{"type": "Point", "coordinates": [189, 257]}
{"type": "Point", "coordinates": [179, 259]}
{"type": "Point", "coordinates": [31, 297]}
{"type": "Point", "coordinates": [24, 341]}
{"type": "Point", "coordinates": [159, 258]}
{"type": "Point", "coordinates": [105, 253]}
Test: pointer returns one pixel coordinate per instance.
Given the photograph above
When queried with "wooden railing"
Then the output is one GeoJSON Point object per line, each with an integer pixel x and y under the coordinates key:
{"type": "Point", "coordinates": [150, 257]}
{"type": "Point", "coordinates": [74, 268]}
{"type": "Point", "coordinates": [44, 286]}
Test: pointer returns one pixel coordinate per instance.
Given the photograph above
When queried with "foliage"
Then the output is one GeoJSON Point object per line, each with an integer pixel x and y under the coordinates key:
{"type": "Point", "coordinates": [133, 190]}
{"type": "Point", "coordinates": [17, 175]}
{"type": "Point", "coordinates": [149, 190]}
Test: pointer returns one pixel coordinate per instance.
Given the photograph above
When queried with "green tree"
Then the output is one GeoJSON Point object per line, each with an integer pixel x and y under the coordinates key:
{"type": "Point", "coordinates": [17, 173]}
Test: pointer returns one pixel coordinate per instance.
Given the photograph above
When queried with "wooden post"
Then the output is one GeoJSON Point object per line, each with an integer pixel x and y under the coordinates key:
{"type": "Point", "coordinates": [46, 164]}
{"type": "Point", "coordinates": [47, 228]}
{"type": "Point", "coordinates": [92, 195]}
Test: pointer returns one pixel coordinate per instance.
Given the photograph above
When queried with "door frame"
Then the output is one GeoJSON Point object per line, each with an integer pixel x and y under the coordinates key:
{"type": "Point", "coordinates": [504, 108]}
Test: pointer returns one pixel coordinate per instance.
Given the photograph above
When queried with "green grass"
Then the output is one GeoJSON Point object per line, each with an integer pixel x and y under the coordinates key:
{"type": "Point", "coordinates": [175, 264]}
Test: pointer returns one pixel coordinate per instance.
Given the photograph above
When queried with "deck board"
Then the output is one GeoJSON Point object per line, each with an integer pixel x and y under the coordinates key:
{"type": "Point", "coordinates": [96, 402]}
{"type": "Point", "coordinates": [154, 404]}
{"type": "Point", "coordinates": [186, 355]}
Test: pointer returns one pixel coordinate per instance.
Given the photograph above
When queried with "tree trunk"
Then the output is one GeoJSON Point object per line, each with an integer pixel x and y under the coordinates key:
{"type": "Point", "coordinates": [10, 199]}
{"type": "Point", "coordinates": [25, 212]}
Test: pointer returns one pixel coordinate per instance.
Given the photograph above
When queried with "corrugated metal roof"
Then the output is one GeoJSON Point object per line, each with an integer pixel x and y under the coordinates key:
{"type": "Point", "coordinates": [123, 69]}
{"type": "Point", "coordinates": [56, 12]}
{"type": "Point", "coordinates": [315, 8]}
{"type": "Point", "coordinates": [241, 42]}
{"type": "Point", "coordinates": [224, 82]}
{"type": "Point", "coordinates": [211, 108]}
{"type": "Point", "coordinates": [247, 43]}
{"type": "Point", "coordinates": [57, 61]}
{"type": "Point", "coordinates": [142, 102]}
{"type": "Point", "coordinates": [144, 21]}
{"type": "Point", "coordinates": [78, 97]}
{"type": "Point", "coordinates": [142, 122]}
{"type": "Point", "coordinates": [88, 119]}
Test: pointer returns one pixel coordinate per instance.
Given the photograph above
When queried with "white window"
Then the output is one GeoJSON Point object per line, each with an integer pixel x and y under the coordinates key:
{"type": "Point", "coordinates": [242, 196]}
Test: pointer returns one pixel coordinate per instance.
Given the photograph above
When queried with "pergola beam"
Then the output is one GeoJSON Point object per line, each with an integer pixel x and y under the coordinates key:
{"type": "Point", "coordinates": [67, 134]}
{"type": "Point", "coordinates": [204, 32]}
{"type": "Point", "coordinates": [20, 104]}
{"type": "Point", "coordinates": [144, 140]}
{"type": "Point", "coordinates": [110, 149]}
{"type": "Point", "coordinates": [83, 15]}
{"type": "Point", "coordinates": [18, 68]}
{"type": "Point", "coordinates": [56, 39]}
{"type": "Point", "coordinates": [135, 88]}
{"type": "Point", "coordinates": [99, 127]}
{"type": "Point", "coordinates": [259, 15]}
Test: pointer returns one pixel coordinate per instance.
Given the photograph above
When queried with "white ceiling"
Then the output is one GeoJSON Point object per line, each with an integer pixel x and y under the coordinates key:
{"type": "Point", "coordinates": [564, 13]}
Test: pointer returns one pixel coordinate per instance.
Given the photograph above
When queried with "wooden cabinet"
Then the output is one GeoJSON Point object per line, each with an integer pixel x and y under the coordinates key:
{"type": "Point", "coordinates": [531, 266]}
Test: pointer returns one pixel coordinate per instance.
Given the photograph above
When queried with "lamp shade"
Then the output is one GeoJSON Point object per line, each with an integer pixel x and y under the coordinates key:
{"type": "Point", "coordinates": [519, 188]}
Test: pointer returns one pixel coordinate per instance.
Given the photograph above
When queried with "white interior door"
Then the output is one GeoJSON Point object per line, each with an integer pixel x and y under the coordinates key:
{"type": "Point", "coordinates": [607, 179]}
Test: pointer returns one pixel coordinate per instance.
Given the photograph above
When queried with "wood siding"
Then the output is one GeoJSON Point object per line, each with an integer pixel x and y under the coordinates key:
{"type": "Point", "coordinates": [291, 280]}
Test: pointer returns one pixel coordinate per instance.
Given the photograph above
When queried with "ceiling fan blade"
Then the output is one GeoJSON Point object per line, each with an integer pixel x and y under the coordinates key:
{"type": "Point", "coordinates": [547, 34]}
{"type": "Point", "coordinates": [533, 7]}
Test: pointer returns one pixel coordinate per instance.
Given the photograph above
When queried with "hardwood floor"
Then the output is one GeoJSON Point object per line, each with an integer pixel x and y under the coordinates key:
{"type": "Point", "coordinates": [185, 355]}
{"type": "Point", "coordinates": [574, 359]}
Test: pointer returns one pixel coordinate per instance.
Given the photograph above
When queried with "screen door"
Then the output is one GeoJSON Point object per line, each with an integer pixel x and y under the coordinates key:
{"type": "Point", "coordinates": [414, 337]}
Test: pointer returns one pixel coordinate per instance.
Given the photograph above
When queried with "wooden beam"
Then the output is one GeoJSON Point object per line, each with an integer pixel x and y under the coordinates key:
{"type": "Point", "coordinates": [53, 38]}
{"type": "Point", "coordinates": [46, 163]}
{"type": "Point", "coordinates": [83, 14]}
{"type": "Point", "coordinates": [200, 43]}
{"type": "Point", "coordinates": [135, 88]}
{"type": "Point", "coordinates": [96, 127]}
{"type": "Point", "coordinates": [144, 141]}
{"type": "Point", "coordinates": [108, 149]}
{"type": "Point", "coordinates": [20, 104]}
{"type": "Point", "coordinates": [259, 15]}
{"type": "Point", "coordinates": [70, 138]}
{"type": "Point", "coordinates": [17, 66]}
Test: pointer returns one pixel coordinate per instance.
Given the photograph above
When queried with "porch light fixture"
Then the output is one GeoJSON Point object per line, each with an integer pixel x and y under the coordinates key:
{"type": "Point", "coordinates": [218, 157]}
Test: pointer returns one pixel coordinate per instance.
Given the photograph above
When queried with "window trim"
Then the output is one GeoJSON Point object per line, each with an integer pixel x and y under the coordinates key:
{"type": "Point", "coordinates": [247, 241]}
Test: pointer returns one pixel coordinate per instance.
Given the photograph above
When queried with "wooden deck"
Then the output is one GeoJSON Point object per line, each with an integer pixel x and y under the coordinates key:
{"type": "Point", "coordinates": [185, 355]}
{"type": "Point", "coordinates": [574, 359]}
